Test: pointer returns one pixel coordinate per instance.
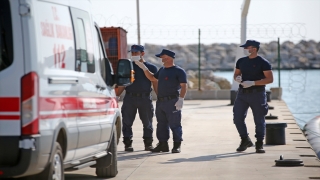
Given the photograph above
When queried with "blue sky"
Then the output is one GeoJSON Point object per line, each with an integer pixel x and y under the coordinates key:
{"type": "Point", "coordinates": [177, 21]}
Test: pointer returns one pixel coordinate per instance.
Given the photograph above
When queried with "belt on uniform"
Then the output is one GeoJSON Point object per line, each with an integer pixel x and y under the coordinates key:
{"type": "Point", "coordinates": [138, 94]}
{"type": "Point", "coordinates": [251, 90]}
{"type": "Point", "coordinates": [167, 98]}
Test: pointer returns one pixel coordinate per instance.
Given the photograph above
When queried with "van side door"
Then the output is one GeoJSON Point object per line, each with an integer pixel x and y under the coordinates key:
{"type": "Point", "coordinates": [53, 42]}
{"type": "Point", "coordinates": [109, 103]}
{"type": "Point", "coordinates": [88, 89]}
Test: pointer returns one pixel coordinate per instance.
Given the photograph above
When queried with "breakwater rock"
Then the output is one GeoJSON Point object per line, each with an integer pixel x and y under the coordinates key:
{"type": "Point", "coordinates": [304, 55]}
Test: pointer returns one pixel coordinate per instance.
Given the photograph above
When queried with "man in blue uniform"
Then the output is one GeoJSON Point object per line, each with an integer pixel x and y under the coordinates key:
{"type": "Point", "coordinates": [172, 88]}
{"type": "Point", "coordinates": [138, 97]}
{"type": "Point", "coordinates": [252, 72]}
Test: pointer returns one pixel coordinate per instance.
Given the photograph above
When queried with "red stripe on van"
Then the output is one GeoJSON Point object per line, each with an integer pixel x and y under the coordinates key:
{"type": "Point", "coordinates": [108, 112]}
{"type": "Point", "coordinates": [58, 103]}
{"type": "Point", "coordinates": [98, 102]}
{"type": "Point", "coordinates": [53, 116]}
{"type": "Point", "coordinates": [71, 103]}
{"type": "Point", "coordinates": [9, 117]}
{"type": "Point", "coordinates": [110, 102]}
{"type": "Point", "coordinates": [9, 104]}
{"type": "Point", "coordinates": [82, 114]}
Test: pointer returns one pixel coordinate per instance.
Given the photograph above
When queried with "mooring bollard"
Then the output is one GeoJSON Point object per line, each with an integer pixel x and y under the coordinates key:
{"type": "Point", "coordinates": [275, 133]}
{"type": "Point", "coordinates": [268, 96]}
{"type": "Point", "coordinates": [233, 95]}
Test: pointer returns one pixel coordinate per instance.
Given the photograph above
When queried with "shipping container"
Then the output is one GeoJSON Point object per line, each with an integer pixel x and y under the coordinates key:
{"type": "Point", "coordinates": [115, 42]}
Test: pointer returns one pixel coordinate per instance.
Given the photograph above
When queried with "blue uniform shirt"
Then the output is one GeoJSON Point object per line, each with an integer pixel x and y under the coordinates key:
{"type": "Point", "coordinates": [169, 80]}
{"type": "Point", "coordinates": [252, 69]}
{"type": "Point", "coordinates": [141, 84]}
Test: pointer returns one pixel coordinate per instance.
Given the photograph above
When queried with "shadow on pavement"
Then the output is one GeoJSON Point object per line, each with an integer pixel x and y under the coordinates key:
{"type": "Point", "coordinates": [82, 177]}
{"type": "Point", "coordinates": [208, 158]}
{"type": "Point", "coordinates": [205, 107]}
{"type": "Point", "coordinates": [125, 152]}
{"type": "Point", "coordinates": [128, 156]}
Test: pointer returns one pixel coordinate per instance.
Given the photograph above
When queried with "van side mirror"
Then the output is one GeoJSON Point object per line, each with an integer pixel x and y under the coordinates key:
{"type": "Point", "coordinates": [125, 72]}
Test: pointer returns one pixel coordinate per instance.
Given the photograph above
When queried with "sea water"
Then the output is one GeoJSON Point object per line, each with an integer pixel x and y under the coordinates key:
{"type": "Point", "coordinates": [300, 91]}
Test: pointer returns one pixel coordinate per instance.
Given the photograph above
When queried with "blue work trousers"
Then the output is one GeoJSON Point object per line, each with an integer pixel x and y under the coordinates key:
{"type": "Point", "coordinates": [168, 116]}
{"type": "Point", "coordinates": [129, 110]}
{"type": "Point", "coordinates": [257, 101]}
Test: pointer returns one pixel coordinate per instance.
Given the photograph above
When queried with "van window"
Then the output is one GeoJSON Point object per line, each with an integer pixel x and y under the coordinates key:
{"type": "Point", "coordinates": [81, 47]}
{"type": "Point", "coordinates": [84, 56]}
{"type": "Point", "coordinates": [101, 56]}
{"type": "Point", "coordinates": [106, 67]}
{"type": "Point", "coordinates": [6, 48]}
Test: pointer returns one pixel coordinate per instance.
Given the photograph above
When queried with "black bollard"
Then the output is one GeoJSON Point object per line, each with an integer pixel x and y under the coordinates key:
{"type": "Point", "coordinates": [275, 133]}
{"type": "Point", "coordinates": [233, 95]}
{"type": "Point", "coordinates": [268, 96]}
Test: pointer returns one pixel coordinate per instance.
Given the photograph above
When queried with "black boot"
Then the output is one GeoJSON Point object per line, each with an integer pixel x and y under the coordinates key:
{"type": "Point", "coordinates": [148, 144]}
{"type": "Point", "coordinates": [259, 147]}
{"type": "Point", "coordinates": [161, 147]}
{"type": "Point", "coordinates": [176, 147]}
{"type": "Point", "coordinates": [127, 144]}
{"type": "Point", "coordinates": [245, 143]}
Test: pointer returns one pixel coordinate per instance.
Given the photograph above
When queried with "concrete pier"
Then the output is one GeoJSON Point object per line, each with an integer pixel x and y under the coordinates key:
{"type": "Point", "coordinates": [209, 150]}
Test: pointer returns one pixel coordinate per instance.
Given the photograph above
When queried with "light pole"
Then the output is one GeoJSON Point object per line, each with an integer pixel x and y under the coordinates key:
{"type": "Point", "coordinates": [199, 56]}
{"type": "Point", "coordinates": [240, 51]}
{"type": "Point", "coordinates": [138, 21]}
{"type": "Point", "coordinates": [244, 14]}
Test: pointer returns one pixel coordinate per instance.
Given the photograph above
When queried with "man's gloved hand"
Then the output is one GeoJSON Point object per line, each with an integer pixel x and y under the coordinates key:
{"type": "Point", "coordinates": [247, 84]}
{"type": "Point", "coordinates": [239, 79]}
{"type": "Point", "coordinates": [179, 103]}
{"type": "Point", "coordinates": [141, 65]}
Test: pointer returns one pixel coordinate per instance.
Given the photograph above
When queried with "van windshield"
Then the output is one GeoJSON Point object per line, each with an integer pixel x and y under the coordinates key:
{"type": "Point", "coordinates": [6, 48]}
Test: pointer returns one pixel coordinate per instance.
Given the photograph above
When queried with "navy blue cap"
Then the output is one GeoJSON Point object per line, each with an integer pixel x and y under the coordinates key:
{"type": "Point", "coordinates": [166, 52]}
{"type": "Point", "coordinates": [137, 48]}
{"type": "Point", "coordinates": [251, 43]}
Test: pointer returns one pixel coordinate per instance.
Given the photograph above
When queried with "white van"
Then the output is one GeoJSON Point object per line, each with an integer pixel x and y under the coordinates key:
{"type": "Point", "coordinates": [58, 108]}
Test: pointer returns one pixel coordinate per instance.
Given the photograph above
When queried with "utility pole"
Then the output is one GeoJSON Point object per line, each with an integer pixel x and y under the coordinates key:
{"type": "Point", "coordinates": [138, 21]}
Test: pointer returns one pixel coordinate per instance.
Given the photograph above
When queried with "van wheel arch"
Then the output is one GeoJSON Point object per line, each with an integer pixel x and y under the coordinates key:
{"type": "Point", "coordinates": [62, 140]}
